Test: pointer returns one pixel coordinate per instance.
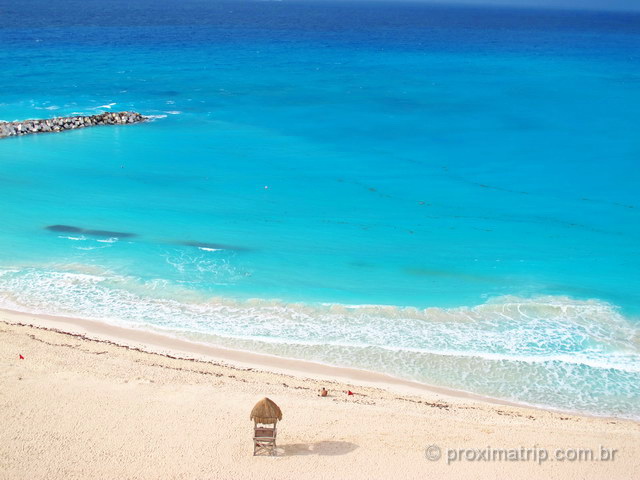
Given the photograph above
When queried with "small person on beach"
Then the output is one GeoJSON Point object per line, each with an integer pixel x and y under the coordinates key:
{"type": "Point", "coordinates": [324, 392]}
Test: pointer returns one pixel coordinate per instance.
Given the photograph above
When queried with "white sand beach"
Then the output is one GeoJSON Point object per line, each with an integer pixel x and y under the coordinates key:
{"type": "Point", "coordinates": [105, 402]}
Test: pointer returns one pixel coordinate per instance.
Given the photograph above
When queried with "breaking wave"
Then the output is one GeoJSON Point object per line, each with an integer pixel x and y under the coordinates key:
{"type": "Point", "coordinates": [556, 352]}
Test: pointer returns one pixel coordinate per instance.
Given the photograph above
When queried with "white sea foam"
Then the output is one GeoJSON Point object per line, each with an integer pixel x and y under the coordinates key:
{"type": "Point", "coordinates": [207, 249]}
{"type": "Point", "coordinates": [583, 355]}
{"type": "Point", "coordinates": [173, 112]}
{"type": "Point", "coordinates": [77, 239]}
{"type": "Point", "coordinates": [108, 106]}
{"type": "Point", "coordinates": [108, 240]}
{"type": "Point", "coordinates": [97, 247]}
{"type": "Point", "coordinates": [198, 266]}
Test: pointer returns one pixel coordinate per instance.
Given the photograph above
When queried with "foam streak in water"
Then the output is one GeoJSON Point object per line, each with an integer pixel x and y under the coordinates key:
{"type": "Point", "coordinates": [554, 351]}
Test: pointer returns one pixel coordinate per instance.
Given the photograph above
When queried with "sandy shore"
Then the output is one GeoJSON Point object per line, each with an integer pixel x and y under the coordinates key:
{"type": "Point", "coordinates": [82, 405]}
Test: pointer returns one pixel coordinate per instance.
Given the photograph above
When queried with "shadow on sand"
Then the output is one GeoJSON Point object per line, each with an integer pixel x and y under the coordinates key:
{"type": "Point", "coordinates": [318, 448]}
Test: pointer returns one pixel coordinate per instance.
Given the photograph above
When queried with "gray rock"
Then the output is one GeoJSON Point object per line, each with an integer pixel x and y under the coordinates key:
{"type": "Point", "coordinates": [59, 124]}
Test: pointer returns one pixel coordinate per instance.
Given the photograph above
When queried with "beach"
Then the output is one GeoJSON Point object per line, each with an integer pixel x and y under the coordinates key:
{"type": "Point", "coordinates": [438, 194]}
{"type": "Point", "coordinates": [95, 404]}
{"type": "Point", "coordinates": [430, 210]}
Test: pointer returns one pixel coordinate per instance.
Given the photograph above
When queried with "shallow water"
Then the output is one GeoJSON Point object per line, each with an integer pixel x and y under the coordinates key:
{"type": "Point", "coordinates": [475, 169]}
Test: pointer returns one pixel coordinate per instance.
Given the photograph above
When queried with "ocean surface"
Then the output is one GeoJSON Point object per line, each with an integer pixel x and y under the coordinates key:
{"type": "Point", "coordinates": [444, 194]}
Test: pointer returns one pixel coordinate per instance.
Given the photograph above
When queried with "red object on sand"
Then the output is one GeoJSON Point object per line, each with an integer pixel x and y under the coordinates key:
{"type": "Point", "coordinates": [21, 357]}
{"type": "Point", "coordinates": [349, 392]}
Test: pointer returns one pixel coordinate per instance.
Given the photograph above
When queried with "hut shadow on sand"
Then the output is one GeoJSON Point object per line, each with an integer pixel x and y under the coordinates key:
{"type": "Point", "coordinates": [323, 448]}
{"type": "Point", "coordinates": [266, 414]}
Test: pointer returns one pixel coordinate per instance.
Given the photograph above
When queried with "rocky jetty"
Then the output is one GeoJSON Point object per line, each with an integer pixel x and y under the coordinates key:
{"type": "Point", "coordinates": [60, 124]}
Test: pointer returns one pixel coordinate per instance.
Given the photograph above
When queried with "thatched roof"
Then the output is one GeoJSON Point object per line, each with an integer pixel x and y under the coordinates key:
{"type": "Point", "coordinates": [266, 411]}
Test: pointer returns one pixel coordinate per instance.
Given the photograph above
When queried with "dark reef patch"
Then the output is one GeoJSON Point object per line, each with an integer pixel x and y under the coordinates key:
{"type": "Point", "coordinates": [64, 228]}
{"type": "Point", "coordinates": [95, 233]}
{"type": "Point", "coordinates": [108, 233]}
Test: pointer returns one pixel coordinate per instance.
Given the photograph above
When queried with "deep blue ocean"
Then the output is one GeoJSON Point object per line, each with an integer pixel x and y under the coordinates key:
{"type": "Point", "coordinates": [444, 194]}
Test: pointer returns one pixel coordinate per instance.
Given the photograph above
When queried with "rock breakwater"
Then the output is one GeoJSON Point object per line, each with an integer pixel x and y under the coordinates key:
{"type": "Point", "coordinates": [60, 124]}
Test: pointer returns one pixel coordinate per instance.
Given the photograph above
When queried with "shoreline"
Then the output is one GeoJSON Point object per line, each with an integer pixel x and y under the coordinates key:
{"type": "Point", "coordinates": [165, 345]}
{"type": "Point", "coordinates": [75, 407]}
{"type": "Point", "coordinates": [171, 347]}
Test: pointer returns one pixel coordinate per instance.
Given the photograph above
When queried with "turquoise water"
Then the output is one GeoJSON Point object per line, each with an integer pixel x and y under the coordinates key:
{"type": "Point", "coordinates": [448, 195]}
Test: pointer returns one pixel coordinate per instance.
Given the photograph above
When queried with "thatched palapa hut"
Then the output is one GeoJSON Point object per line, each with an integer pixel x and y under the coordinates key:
{"type": "Point", "coordinates": [266, 411]}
